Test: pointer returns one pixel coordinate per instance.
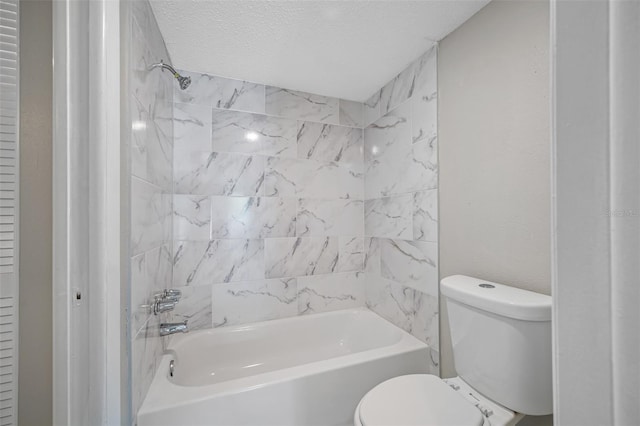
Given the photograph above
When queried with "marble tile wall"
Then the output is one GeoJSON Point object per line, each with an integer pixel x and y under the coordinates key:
{"type": "Point", "coordinates": [260, 202]}
{"type": "Point", "coordinates": [400, 207]}
{"type": "Point", "coordinates": [268, 204]}
{"type": "Point", "coordinates": [289, 203]}
{"type": "Point", "coordinates": [151, 186]}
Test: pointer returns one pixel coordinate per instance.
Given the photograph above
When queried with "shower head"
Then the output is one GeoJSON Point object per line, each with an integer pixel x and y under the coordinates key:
{"type": "Point", "coordinates": [184, 82]}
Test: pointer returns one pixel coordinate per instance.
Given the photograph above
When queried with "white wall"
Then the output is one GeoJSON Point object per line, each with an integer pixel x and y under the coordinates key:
{"type": "Point", "coordinates": [494, 115]}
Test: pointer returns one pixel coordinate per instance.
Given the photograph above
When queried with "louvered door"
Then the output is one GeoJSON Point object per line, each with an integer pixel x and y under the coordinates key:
{"type": "Point", "coordinates": [8, 212]}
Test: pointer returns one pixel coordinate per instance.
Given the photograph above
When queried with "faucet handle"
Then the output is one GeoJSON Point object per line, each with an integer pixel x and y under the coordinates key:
{"type": "Point", "coordinates": [163, 305]}
{"type": "Point", "coordinates": [172, 294]}
{"type": "Point", "coordinates": [166, 300]}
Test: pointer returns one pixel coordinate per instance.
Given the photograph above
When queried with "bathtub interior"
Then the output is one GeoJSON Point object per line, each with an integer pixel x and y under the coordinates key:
{"type": "Point", "coordinates": [219, 355]}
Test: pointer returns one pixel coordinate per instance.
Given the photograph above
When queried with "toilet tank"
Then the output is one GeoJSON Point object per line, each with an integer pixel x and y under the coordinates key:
{"type": "Point", "coordinates": [501, 338]}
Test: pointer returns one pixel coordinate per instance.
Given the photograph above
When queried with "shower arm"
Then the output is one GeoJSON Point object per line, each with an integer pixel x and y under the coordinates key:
{"type": "Point", "coordinates": [183, 81]}
{"type": "Point", "coordinates": [164, 66]}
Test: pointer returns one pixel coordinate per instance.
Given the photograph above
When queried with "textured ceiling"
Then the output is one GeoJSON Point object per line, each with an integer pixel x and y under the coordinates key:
{"type": "Point", "coordinates": [346, 49]}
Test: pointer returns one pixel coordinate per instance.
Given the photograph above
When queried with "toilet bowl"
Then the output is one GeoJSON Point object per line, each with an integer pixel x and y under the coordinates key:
{"type": "Point", "coordinates": [425, 399]}
{"type": "Point", "coordinates": [501, 338]}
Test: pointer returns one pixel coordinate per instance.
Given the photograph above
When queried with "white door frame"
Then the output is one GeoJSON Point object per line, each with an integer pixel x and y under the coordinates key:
{"type": "Point", "coordinates": [596, 244]}
{"type": "Point", "coordinates": [88, 337]}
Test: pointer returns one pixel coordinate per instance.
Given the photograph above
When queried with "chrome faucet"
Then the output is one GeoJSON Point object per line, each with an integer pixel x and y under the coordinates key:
{"type": "Point", "coordinates": [166, 301]}
{"type": "Point", "coordinates": [161, 306]}
{"type": "Point", "coordinates": [173, 328]}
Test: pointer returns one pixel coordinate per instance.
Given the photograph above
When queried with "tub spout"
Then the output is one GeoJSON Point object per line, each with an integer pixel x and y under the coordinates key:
{"type": "Point", "coordinates": [173, 327]}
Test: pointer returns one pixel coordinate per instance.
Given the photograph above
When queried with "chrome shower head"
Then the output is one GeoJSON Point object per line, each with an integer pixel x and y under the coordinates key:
{"type": "Point", "coordinates": [184, 82]}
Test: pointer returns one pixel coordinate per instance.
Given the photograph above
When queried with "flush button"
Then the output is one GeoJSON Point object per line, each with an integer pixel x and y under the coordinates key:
{"type": "Point", "coordinates": [484, 285]}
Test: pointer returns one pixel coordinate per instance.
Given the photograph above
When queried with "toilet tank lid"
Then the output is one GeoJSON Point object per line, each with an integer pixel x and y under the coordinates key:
{"type": "Point", "coordinates": [497, 298]}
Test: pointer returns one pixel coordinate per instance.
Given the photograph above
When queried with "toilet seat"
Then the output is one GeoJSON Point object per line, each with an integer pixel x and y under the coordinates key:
{"type": "Point", "coordinates": [416, 399]}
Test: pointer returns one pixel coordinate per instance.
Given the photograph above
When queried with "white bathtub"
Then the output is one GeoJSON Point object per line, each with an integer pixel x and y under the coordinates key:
{"type": "Point", "coordinates": [308, 370]}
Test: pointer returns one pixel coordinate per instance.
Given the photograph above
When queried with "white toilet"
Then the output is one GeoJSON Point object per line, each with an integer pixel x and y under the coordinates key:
{"type": "Point", "coordinates": [501, 340]}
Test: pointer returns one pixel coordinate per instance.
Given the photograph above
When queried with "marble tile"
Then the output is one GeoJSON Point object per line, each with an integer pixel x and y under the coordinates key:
{"type": "Point", "coordinates": [141, 10]}
{"type": "Point", "coordinates": [351, 254]}
{"type": "Point", "coordinates": [143, 15]}
{"type": "Point", "coordinates": [160, 148]}
{"type": "Point", "coordinates": [351, 113]}
{"type": "Point", "coordinates": [223, 93]}
{"type": "Point", "coordinates": [301, 105]}
{"type": "Point", "coordinates": [294, 257]}
{"type": "Point", "coordinates": [322, 217]}
{"type": "Point", "coordinates": [151, 147]}
{"type": "Point", "coordinates": [425, 321]}
{"type": "Point", "coordinates": [324, 293]}
{"type": "Point", "coordinates": [242, 132]}
{"type": "Point", "coordinates": [426, 71]}
{"type": "Point", "coordinates": [372, 108]}
{"type": "Point", "coordinates": [239, 132]}
{"type": "Point", "coordinates": [424, 115]}
{"type": "Point", "coordinates": [390, 217]}
{"type": "Point", "coordinates": [192, 127]}
{"type": "Point", "coordinates": [191, 217]}
{"type": "Point", "coordinates": [159, 268]}
{"type": "Point", "coordinates": [151, 105]}
{"type": "Point", "coordinates": [140, 122]}
{"type": "Point", "coordinates": [394, 164]}
{"type": "Point", "coordinates": [328, 142]}
{"type": "Point", "coordinates": [150, 216]}
{"type": "Point", "coordinates": [253, 217]}
{"type": "Point", "coordinates": [218, 173]}
{"type": "Point", "coordinates": [409, 81]}
{"type": "Point", "coordinates": [407, 308]}
{"type": "Point", "coordinates": [412, 263]}
{"type": "Point", "coordinates": [372, 256]}
{"type": "Point", "coordinates": [293, 253]}
{"type": "Point", "coordinates": [147, 86]}
{"type": "Point", "coordinates": [140, 310]}
{"type": "Point", "coordinates": [397, 90]}
{"type": "Point", "coordinates": [425, 215]}
{"type": "Point", "coordinates": [217, 261]}
{"type": "Point", "coordinates": [392, 301]}
{"type": "Point", "coordinates": [194, 307]}
{"type": "Point", "coordinates": [286, 177]}
{"type": "Point", "coordinates": [423, 171]}
{"type": "Point", "coordinates": [146, 351]}
{"type": "Point", "coordinates": [251, 301]}
{"type": "Point", "coordinates": [388, 153]}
